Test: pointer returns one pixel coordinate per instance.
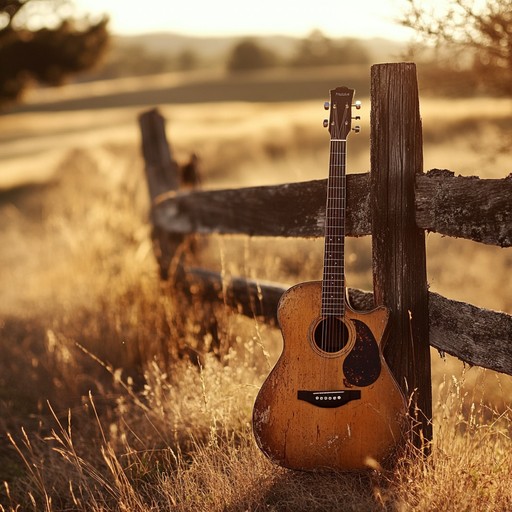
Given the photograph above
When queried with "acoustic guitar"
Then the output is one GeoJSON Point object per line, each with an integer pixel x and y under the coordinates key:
{"type": "Point", "coordinates": [330, 401]}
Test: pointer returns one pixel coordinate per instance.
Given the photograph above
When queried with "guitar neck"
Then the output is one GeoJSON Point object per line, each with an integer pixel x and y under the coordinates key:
{"type": "Point", "coordinates": [333, 282]}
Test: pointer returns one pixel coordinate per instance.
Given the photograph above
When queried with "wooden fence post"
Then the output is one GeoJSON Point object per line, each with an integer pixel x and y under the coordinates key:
{"type": "Point", "coordinates": [399, 260]}
{"type": "Point", "coordinates": [162, 174]}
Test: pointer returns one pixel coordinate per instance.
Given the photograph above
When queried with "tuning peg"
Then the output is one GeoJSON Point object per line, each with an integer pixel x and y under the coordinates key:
{"type": "Point", "coordinates": [357, 105]}
{"type": "Point", "coordinates": [326, 105]}
{"type": "Point", "coordinates": [326, 123]}
{"type": "Point", "coordinates": [356, 129]}
{"type": "Point", "coordinates": [357, 118]}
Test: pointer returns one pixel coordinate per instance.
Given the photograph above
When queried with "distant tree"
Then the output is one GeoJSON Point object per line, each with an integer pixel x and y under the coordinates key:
{"type": "Point", "coordinates": [248, 55]}
{"type": "Point", "coordinates": [59, 46]}
{"type": "Point", "coordinates": [352, 51]}
{"type": "Point", "coordinates": [483, 31]}
{"type": "Point", "coordinates": [318, 50]}
{"type": "Point", "coordinates": [136, 59]}
{"type": "Point", "coordinates": [314, 50]}
{"type": "Point", "coordinates": [187, 60]}
{"type": "Point", "coordinates": [132, 59]}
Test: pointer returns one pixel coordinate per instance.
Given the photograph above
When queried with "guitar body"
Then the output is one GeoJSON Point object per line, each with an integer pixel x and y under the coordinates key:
{"type": "Point", "coordinates": [328, 405]}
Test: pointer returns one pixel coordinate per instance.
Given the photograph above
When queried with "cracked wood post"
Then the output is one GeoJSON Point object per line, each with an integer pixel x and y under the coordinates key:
{"type": "Point", "coordinates": [399, 259]}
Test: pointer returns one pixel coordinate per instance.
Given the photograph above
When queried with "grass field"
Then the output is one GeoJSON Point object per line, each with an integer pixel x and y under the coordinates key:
{"type": "Point", "coordinates": [99, 412]}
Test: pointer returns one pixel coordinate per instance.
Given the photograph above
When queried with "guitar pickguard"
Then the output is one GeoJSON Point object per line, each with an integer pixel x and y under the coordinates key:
{"type": "Point", "coordinates": [362, 365]}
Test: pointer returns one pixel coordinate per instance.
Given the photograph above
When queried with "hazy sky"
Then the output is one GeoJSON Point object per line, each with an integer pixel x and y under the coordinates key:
{"type": "Point", "coordinates": [335, 18]}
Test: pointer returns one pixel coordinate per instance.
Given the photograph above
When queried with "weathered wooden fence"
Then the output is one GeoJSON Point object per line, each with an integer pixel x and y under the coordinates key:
{"type": "Point", "coordinates": [395, 203]}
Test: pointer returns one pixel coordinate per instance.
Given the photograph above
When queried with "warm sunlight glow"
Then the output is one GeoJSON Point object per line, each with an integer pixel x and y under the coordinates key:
{"type": "Point", "coordinates": [336, 18]}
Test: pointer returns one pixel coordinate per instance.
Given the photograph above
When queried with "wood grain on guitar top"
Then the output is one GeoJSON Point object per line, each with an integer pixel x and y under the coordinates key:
{"type": "Point", "coordinates": [298, 434]}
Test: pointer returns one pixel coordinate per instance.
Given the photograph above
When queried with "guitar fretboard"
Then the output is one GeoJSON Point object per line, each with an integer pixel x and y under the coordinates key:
{"type": "Point", "coordinates": [333, 282]}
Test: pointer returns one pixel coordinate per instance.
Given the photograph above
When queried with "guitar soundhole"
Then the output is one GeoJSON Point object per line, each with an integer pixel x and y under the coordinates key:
{"type": "Point", "coordinates": [331, 334]}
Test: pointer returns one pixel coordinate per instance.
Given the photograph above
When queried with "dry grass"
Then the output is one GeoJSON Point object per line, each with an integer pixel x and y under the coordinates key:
{"type": "Point", "coordinates": [103, 411]}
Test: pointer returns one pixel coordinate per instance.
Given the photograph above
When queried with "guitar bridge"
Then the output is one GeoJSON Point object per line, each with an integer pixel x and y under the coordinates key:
{"type": "Point", "coordinates": [329, 399]}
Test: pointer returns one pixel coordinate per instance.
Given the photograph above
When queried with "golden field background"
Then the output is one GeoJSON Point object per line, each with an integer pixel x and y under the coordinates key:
{"type": "Point", "coordinates": [112, 418]}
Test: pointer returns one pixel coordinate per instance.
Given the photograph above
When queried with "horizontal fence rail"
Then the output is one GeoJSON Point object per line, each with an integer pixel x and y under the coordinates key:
{"type": "Point", "coordinates": [465, 207]}
{"type": "Point", "coordinates": [457, 206]}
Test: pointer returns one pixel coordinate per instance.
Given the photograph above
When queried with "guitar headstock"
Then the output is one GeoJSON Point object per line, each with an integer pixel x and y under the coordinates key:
{"type": "Point", "coordinates": [340, 118]}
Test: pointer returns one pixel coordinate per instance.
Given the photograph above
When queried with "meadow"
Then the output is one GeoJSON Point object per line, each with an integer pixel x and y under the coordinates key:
{"type": "Point", "coordinates": [100, 408]}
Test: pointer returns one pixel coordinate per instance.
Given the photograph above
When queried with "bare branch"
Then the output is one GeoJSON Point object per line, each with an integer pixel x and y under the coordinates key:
{"type": "Point", "coordinates": [484, 33]}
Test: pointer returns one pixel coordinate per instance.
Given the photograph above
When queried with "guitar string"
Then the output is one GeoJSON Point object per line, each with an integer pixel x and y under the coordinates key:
{"type": "Point", "coordinates": [329, 234]}
{"type": "Point", "coordinates": [331, 197]}
{"type": "Point", "coordinates": [342, 238]}
{"type": "Point", "coordinates": [326, 282]}
{"type": "Point", "coordinates": [341, 227]}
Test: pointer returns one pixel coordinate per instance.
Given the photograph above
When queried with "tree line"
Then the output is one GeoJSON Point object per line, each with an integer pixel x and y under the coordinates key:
{"type": "Point", "coordinates": [314, 50]}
